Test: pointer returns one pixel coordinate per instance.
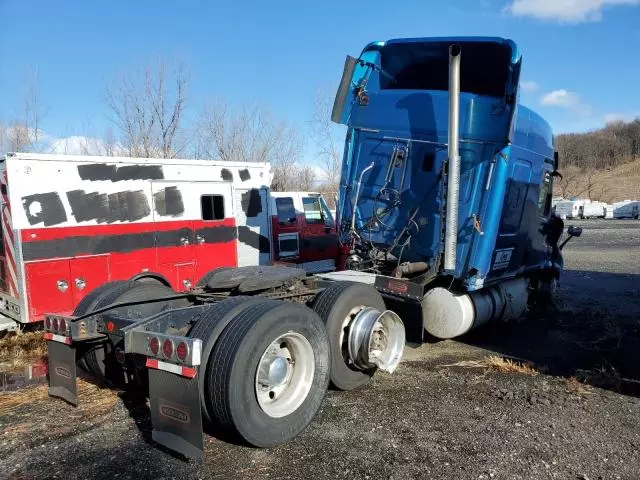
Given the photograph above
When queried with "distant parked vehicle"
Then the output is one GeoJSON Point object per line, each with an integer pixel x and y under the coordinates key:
{"type": "Point", "coordinates": [568, 209]}
{"type": "Point", "coordinates": [626, 209]}
{"type": "Point", "coordinates": [594, 210]}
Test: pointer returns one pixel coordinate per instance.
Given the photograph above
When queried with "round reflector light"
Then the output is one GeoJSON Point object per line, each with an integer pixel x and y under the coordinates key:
{"type": "Point", "coordinates": [154, 345]}
{"type": "Point", "coordinates": [167, 348]}
{"type": "Point", "coordinates": [47, 323]}
{"type": "Point", "coordinates": [63, 325]}
{"type": "Point", "coordinates": [182, 350]}
{"type": "Point", "coordinates": [55, 324]}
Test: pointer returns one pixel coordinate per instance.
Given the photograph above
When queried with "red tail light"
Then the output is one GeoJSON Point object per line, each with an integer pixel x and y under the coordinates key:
{"type": "Point", "coordinates": [182, 350]}
{"type": "Point", "coordinates": [154, 345]}
{"type": "Point", "coordinates": [55, 324]}
{"type": "Point", "coordinates": [110, 326]}
{"type": "Point", "coordinates": [63, 325]}
{"type": "Point", "coordinates": [47, 323]}
{"type": "Point", "coordinates": [167, 348]}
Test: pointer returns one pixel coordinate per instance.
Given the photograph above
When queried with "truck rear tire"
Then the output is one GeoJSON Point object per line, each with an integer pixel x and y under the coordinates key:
{"type": "Point", "coordinates": [269, 372]}
{"type": "Point", "coordinates": [335, 306]}
{"type": "Point", "coordinates": [208, 329]}
{"type": "Point", "coordinates": [86, 305]}
{"type": "Point", "coordinates": [207, 276]}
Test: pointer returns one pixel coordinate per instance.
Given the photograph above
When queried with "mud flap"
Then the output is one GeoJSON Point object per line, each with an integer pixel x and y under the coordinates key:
{"type": "Point", "coordinates": [62, 372]}
{"type": "Point", "coordinates": [175, 412]}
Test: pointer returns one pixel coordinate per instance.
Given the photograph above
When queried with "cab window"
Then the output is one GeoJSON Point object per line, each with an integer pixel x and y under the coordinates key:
{"type": "Point", "coordinates": [286, 210]}
{"type": "Point", "coordinates": [313, 210]}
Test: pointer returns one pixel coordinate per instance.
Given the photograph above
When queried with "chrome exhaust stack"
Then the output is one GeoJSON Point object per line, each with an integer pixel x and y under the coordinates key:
{"type": "Point", "coordinates": [453, 184]}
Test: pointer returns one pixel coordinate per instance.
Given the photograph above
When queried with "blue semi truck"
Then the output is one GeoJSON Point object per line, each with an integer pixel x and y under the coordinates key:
{"type": "Point", "coordinates": [445, 224]}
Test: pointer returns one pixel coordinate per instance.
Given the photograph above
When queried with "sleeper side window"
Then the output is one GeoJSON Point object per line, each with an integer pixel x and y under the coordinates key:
{"type": "Point", "coordinates": [212, 207]}
{"type": "Point", "coordinates": [544, 199]}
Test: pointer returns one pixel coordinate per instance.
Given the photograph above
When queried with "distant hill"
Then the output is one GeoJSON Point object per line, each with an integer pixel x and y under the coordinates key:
{"type": "Point", "coordinates": [602, 164]}
{"type": "Point", "coordinates": [609, 185]}
{"type": "Point", "coordinates": [615, 144]}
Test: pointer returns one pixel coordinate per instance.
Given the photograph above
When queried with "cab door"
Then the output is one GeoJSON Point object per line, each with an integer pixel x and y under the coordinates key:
{"type": "Point", "coordinates": [319, 238]}
{"type": "Point", "coordinates": [286, 227]}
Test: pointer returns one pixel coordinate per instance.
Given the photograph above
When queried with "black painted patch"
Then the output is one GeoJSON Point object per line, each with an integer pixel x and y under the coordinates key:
{"type": "Point", "coordinates": [253, 239]}
{"type": "Point", "coordinates": [321, 242]}
{"type": "Point", "coordinates": [128, 206]}
{"type": "Point", "coordinates": [244, 174]}
{"type": "Point", "coordinates": [251, 202]}
{"type": "Point", "coordinates": [168, 202]}
{"type": "Point", "coordinates": [51, 209]}
{"type": "Point", "coordinates": [100, 171]}
{"type": "Point", "coordinates": [217, 234]}
{"type": "Point", "coordinates": [88, 206]}
{"type": "Point", "coordinates": [226, 175]}
{"type": "Point", "coordinates": [122, 243]}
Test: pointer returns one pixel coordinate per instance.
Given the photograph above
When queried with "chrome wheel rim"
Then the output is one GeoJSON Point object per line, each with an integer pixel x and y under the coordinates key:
{"type": "Point", "coordinates": [285, 374]}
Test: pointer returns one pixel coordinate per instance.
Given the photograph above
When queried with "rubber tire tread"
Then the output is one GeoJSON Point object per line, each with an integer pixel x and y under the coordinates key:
{"type": "Point", "coordinates": [86, 303]}
{"type": "Point", "coordinates": [84, 306]}
{"type": "Point", "coordinates": [207, 276]}
{"type": "Point", "coordinates": [224, 356]}
{"type": "Point", "coordinates": [108, 297]}
{"type": "Point", "coordinates": [203, 330]}
{"type": "Point", "coordinates": [343, 377]}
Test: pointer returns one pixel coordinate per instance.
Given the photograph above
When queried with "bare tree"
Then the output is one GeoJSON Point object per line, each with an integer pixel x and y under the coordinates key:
{"type": "Point", "coordinates": [253, 134]}
{"type": "Point", "coordinates": [328, 137]}
{"type": "Point", "coordinates": [24, 132]}
{"type": "Point", "coordinates": [147, 109]}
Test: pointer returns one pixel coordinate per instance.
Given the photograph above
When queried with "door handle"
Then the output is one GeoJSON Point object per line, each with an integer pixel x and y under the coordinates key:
{"type": "Point", "coordinates": [184, 241]}
{"type": "Point", "coordinates": [199, 239]}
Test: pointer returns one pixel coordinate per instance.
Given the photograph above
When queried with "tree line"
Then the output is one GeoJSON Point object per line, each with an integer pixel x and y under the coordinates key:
{"type": "Point", "coordinates": [146, 110]}
{"type": "Point", "coordinates": [615, 144]}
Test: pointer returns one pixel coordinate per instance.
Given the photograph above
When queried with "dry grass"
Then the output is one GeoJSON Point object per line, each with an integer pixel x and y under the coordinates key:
{"type": "Point", "coordinates": [498, 364]}
{"type": "Point", "coordinates": [576, 387]}
{"type": "Point", "coordinates": [93, 400]}
{"type": "Point", "coordinates": [20, 349]}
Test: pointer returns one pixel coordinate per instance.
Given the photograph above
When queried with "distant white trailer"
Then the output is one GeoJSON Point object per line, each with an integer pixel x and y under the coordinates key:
{"type": "Point", "coordinates": [594, 210]}
{"type": "Point", "coordinates": [568, 209]}
{"type": "Point", "coordinates": [608, 212]}
{"type": "Point", "coordinates": [626, 209]}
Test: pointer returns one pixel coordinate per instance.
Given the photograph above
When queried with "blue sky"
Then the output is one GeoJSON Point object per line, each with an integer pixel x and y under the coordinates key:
{"type": "Point", "coordinates": [580, 62]}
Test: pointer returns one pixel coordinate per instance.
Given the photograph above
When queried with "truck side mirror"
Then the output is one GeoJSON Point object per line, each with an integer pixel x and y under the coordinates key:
{"type": "Point", "coordinates": [574, 231]}
{"type": "Point", "coordinates": [556, 160]}
{"type": "Point", "coordinates": [338, 114]}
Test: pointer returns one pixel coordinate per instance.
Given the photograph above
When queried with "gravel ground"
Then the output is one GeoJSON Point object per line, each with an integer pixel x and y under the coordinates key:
{"type": "Point", "coordinates": [431, 419]}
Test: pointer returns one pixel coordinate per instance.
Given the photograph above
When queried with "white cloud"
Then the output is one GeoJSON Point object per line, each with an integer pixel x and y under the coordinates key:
{"type": "Point", "coordinates": [529, 86]}
{"type": "Point", "coordinates": [620, 117]}
{"type": "Point", "coordinates": [565, 99]}
{"type": "Point", "coordinates": [80, 145]}
{"type": "Point", "coordinates": [564, 11]}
